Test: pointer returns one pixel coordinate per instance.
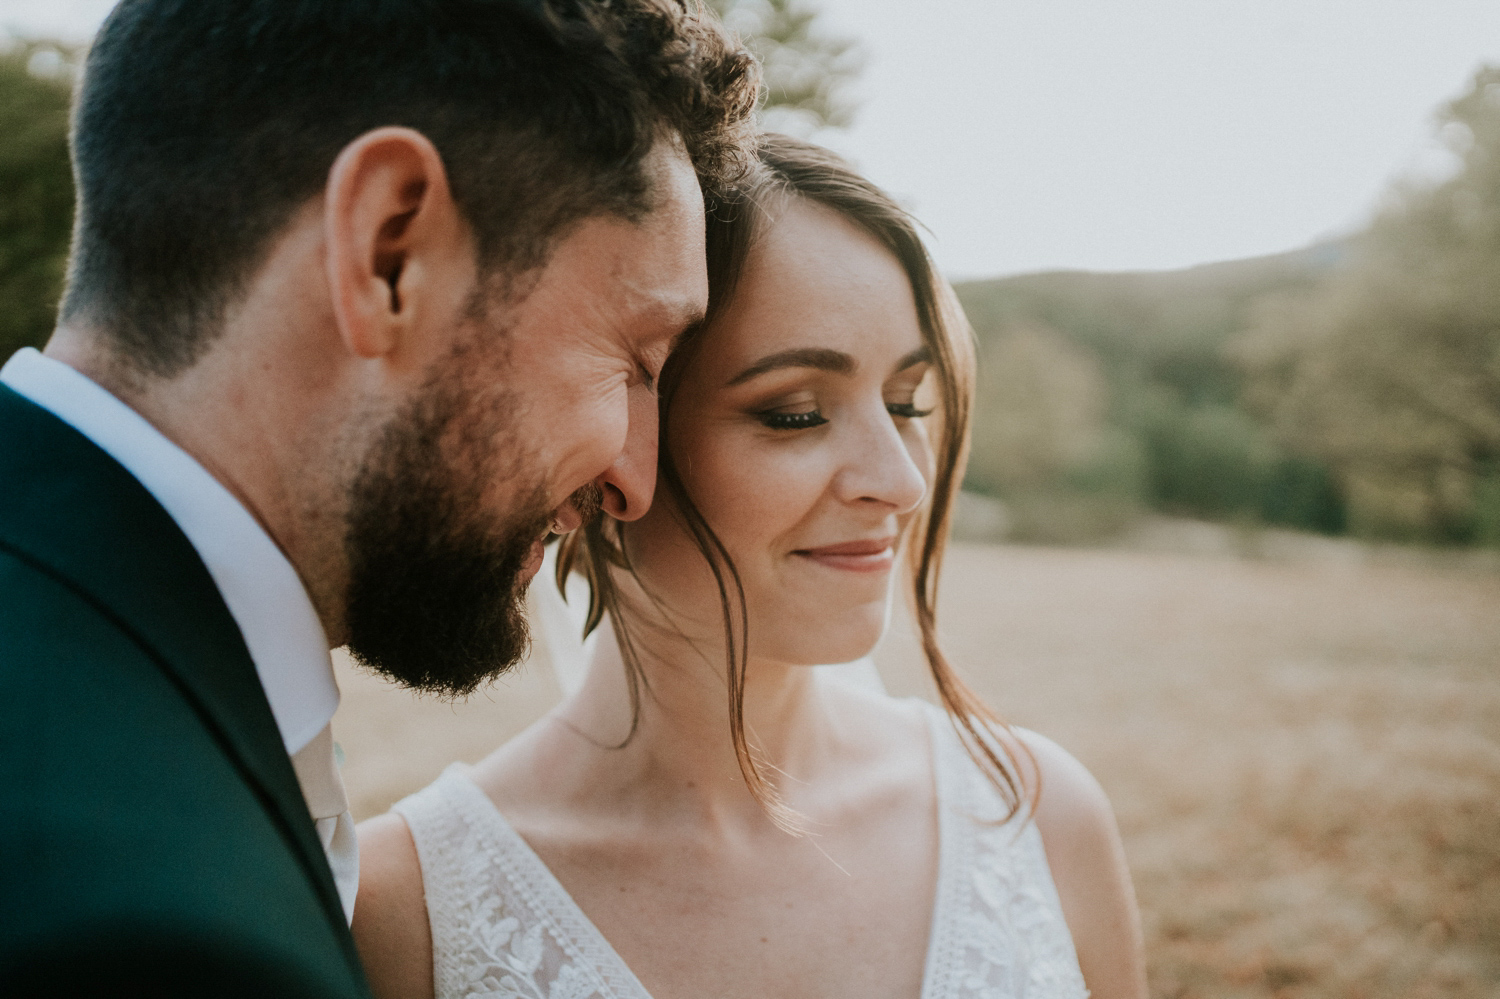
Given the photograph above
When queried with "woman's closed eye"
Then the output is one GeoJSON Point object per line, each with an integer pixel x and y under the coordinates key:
{"type": "Point", "coordinates": [781, 420]}
{"type": "Point", "coordinates": [806, 419]}
{"type": "Point", "coordinates": [906, 410]}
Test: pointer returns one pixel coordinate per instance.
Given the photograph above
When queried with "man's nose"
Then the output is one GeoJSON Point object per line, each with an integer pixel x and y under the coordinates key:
{"type": "Point", "coordinates": [629, 483]}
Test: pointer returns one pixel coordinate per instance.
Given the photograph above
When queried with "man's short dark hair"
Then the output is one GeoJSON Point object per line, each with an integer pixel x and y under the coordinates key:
{"type": "Point", "coordinates": [202, 125]}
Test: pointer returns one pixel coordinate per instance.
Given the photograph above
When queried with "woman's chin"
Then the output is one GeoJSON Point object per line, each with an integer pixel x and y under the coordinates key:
{"type": "Point", "coordinates": [827, 640]}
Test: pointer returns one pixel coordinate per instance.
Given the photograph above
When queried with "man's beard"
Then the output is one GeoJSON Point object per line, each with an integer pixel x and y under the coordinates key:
{"type": "Point", "coordinates": [587, 500]}
{"type": "Point", "coordinates": [436, 595]}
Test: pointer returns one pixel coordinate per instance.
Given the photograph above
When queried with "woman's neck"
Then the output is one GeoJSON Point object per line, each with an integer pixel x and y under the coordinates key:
{"type": "Point", "coordinates": [680, 761]}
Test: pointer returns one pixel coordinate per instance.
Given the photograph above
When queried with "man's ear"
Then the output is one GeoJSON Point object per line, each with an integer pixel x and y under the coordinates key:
{"type": "Point", "coordinates": [396, 245]}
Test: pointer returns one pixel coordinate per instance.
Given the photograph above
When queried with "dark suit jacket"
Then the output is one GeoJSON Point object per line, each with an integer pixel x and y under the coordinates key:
{"type": "Point", "coordinates": [153, 838]}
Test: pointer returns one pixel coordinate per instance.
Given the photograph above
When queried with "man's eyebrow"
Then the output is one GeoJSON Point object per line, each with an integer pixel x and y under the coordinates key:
{"type": "Point", "coordinates": [820, 358]}
{"type": "Point", "coordinates": [689, 321]}
{"type": "Point", "coordinates": [922, 355]}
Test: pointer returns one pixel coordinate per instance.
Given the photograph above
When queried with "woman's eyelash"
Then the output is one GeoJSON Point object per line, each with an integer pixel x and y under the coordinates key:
{"type": "Point", "coordinates": [813, 418]}
{"type": "Point", "coordinates": [793, 421]}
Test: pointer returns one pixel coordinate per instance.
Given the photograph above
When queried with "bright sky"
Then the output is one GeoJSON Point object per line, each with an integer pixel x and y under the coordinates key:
{"type": "Point", "coordinates": [1124, 134]}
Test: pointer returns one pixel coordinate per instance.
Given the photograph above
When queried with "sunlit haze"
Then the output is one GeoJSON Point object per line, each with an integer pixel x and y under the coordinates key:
{"type": "Point", "coordinates": [1110, 135]}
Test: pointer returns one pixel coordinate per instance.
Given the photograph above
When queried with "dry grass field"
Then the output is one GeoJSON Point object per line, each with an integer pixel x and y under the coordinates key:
{"type": "Point", "coordinates": [1304, 753]}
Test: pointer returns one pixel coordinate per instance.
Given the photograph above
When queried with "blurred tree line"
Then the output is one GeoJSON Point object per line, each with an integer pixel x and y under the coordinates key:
{"type": "Point", "coordinates": [1353, 386]}
{"type": "Point", "coordinates": [1389, 371]}
{"type": "Point", "coordinates": [1103, 395]}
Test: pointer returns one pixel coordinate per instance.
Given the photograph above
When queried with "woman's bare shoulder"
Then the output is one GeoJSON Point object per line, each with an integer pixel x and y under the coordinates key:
{"type": "Point", "coordinates": [1087, 859]}
{"type": "Point", "coordinates": [1072, 806]}
{"type": "Point", "coordinates": [390, 912]}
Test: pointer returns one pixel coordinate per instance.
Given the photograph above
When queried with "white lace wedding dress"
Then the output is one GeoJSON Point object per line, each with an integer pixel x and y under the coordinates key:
{"type": "Point", "coordinates": [504, 928]}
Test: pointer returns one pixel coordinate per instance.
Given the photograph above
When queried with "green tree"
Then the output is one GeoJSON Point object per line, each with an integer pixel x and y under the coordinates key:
{"type": "Point", "coordinates": [36, 211]}
{"type": "Point", "coordinates": [1042, 440]}
{"type": "Point", "coordinates": [807, 72]}
{"type": "Point", "coordinates": [1390, 371]}
{"type": "Point", "coordinates": [1045, 401]}
{"type": "Point", "coordinates": [1103, 393]}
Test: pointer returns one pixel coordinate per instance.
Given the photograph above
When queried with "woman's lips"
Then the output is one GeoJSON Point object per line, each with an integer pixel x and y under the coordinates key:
{"type": "Point", "coordinates": [874, 555]}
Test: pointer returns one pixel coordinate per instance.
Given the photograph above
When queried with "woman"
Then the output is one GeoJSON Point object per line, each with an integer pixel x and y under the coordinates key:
{"type": "Point", "coordinates": [707, 816]}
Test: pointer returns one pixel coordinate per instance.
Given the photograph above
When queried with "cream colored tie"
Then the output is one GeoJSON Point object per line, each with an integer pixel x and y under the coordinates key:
{"type": "Point", "coordinates": [323, 790]}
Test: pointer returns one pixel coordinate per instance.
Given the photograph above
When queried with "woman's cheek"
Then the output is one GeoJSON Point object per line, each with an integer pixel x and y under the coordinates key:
{"type": "Point", "coordinates": [753, 489]}
{"type": "Point", "coordinates": [919, 447]}
{"type": "Point", "coordinates": [740, 471]}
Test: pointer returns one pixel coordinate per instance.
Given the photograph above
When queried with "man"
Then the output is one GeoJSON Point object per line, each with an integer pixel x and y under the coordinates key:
{"type": "Point", "coordinates": [366, 297]}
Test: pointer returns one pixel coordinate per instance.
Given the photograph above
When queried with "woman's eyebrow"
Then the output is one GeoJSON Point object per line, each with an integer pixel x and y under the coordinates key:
{"type": "Point", "coordinates": [821, 358]}
{"type": "Point", "coordinates": [922, 355]}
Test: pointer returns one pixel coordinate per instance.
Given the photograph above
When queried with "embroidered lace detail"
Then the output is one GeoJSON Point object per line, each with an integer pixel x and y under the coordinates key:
{"type": "Point", "coordinates": [997, 928]}
{"type": "Point", "coordinates": [504, 928]}
{"type": "Point", "coordinates": [502, 925]}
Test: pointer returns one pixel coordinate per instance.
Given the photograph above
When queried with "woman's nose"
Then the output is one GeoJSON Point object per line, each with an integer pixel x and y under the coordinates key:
{"type": "Point", "coordinates": [880, 466]}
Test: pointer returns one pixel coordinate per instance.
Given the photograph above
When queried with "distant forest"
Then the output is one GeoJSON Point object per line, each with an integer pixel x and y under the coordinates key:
{"type": "Point", "coordinates": [1353, 387]}
{"type": "Point", "coordinates": [1102, 395]}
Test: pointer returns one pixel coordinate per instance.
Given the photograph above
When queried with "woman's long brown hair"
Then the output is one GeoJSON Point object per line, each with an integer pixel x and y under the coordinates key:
{"type": "Point", "coordinates": [791, 167]}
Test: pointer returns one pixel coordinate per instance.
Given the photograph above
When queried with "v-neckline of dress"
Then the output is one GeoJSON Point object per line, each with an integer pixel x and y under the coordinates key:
{"type": "Point", "coordinates": [570, 922]}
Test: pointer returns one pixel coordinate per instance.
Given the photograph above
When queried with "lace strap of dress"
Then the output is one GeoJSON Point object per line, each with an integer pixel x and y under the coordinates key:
{"type": "Point", "coordinates": [998, 929]}
{"type": "Point", "coordinates": [502, 926]}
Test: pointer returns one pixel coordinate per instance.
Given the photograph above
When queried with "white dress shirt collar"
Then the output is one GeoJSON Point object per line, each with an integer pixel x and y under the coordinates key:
{"type": "Point", "coordinates": [262, 590]}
